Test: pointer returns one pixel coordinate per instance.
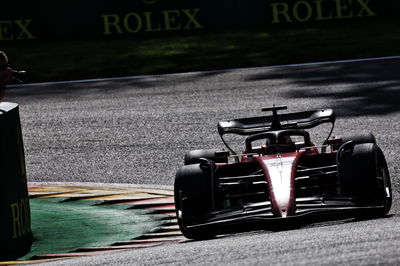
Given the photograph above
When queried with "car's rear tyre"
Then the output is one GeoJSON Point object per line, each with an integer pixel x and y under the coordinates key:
{"type": "Point", "coordinates": [193, 157]}
{"type": "Point", "coordinates": [364, 175]}
{"type": "Point", "coordinates": [194, 200]}
{"type": "Point", "coordinates": [359, 138]}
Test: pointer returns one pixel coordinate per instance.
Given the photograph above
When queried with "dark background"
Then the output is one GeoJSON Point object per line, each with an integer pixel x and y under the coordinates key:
{"type": "Point", "coordinates": [74, 19]}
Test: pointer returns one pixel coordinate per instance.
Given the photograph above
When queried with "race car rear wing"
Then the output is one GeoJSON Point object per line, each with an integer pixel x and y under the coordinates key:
{"type": "Point", "coordinates": [254, 125]}
{"type": "Point", "coordinates": [300, 120]}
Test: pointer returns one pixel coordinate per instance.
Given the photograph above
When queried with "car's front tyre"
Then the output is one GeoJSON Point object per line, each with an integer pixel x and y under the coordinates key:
{"type": "Point", "coordinates": [194, 200]}
{"type": "Point", "coordinates": [364, 175]}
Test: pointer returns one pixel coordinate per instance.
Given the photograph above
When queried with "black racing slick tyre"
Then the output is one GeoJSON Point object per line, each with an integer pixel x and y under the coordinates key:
{"type": "Point", "coordinates": [194, 200]}
{"type": "Point", "coordinates": [365, 176]}
{"type": "Point", "coordinates": [193, 157]}
{"type": "Point", "coordinates": [358, 139]}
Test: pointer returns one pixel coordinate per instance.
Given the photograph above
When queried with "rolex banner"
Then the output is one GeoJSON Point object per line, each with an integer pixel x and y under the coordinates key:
{"type": "Point", "coordinates": [45, 19]}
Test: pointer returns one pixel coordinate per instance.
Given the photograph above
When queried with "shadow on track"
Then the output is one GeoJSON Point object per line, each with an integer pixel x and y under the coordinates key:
{"type": "Point", "coordinates": [354, 89]}
{"type": "Point", "coordinates": [72, 89]}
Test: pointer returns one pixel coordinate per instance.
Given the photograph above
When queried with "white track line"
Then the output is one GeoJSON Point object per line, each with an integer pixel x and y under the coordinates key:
{"type": "Point", "coordinates": [207, 72]}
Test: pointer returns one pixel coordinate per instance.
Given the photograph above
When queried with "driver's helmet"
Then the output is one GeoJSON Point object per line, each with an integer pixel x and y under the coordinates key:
{"type": "Point", "coordinates": [282, 145]}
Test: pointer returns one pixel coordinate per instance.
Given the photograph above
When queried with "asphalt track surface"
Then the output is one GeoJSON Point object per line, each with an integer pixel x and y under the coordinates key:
{"type": "Point", "coordinates": [136, 130]}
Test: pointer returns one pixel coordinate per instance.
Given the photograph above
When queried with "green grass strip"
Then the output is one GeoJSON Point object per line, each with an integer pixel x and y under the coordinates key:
{"type": "Point", "coordinates": [61, 227]}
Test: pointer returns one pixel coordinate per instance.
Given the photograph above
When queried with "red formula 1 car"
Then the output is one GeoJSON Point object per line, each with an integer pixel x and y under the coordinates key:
{"type": "Point", "coordinates": [281, 175]}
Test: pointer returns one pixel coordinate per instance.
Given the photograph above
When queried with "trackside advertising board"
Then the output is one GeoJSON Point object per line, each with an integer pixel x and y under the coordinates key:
{"type": "Point", "coordinates": [45, 19]}
{"type": "Point", "coordinates": [15, 219]}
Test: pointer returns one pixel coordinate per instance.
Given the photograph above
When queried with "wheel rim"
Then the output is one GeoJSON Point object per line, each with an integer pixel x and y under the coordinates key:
{"type": "Point", "coordinates": [384, 186]}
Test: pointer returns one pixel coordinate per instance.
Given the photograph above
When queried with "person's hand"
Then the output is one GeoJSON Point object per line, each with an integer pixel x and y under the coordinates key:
{"type": "Point", "coordinates": [5, 78]}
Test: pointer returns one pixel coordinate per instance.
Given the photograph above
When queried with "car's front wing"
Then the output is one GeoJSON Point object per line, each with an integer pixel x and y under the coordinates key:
{"type": "Point", "coordinates": [313, 208]}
